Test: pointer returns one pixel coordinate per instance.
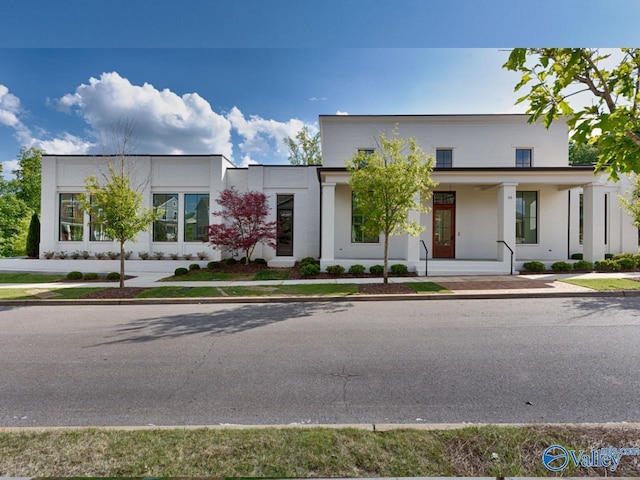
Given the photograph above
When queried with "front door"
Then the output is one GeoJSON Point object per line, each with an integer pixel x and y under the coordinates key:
{"type": "Point", "coordinates": [444, 225]}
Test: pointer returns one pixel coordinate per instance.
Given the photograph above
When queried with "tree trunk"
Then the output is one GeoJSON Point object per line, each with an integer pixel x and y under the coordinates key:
{"type": "Point", "coordinates": [121, 264]}
{"type": "Point", "coordinates": [385, 274]}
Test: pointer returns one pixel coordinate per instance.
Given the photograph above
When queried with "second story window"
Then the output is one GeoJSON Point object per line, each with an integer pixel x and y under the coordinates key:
{"type": "Point", "coordinates": [444, 158]}
{"type": "Point", "coordinates": [523, 157]}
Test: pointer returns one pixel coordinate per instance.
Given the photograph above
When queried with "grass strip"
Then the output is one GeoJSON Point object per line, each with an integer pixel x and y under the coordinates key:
{"type": "Point", "coordinates": [427, 287]}
{"type": "Point", "coordinates": [250, 291]}
{"type": "Point", "coordinates": [604, 283]}
{"type": "Point", "coordinates": [19, 277]}
{"type": "Point", "coordinates": [45, 293]}
{"type": "Point", "coordinates": [272, 274]}
{"type": "Point", "coordinates": [303, 452]}
{"type": "Point", "coordinates": [180, 292]}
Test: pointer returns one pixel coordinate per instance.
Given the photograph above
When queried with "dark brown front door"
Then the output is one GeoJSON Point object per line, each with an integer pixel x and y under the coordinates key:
{"type": "Point", "coordinates": [444, 225]}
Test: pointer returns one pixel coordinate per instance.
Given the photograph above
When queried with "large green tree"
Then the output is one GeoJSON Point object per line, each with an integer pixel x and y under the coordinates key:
{"type": "Point", "coordinates": [611, 118]}
{"type": "Point", "coordinates": [28, 177]}
{"type": "Point", "coordinates": [304, 149]}
{"type": "Point", "coordinates": [116, 206]}
{"type": "Point", "coordinates": [582, 154]}
{"type": "Point", "coordinates": [388, 184]}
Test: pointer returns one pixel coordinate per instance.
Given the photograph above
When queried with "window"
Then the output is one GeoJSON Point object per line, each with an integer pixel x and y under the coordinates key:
{"type": "Point", "coordinates": [581, 234]}
{"type": "Point", "coordinates": [366, 151]}
{"type": "Point", "coordinates": [363, 153]}
{"type": "Point", "coordinates": [71, 218]}
{"type": "Point", "coordinates": [358, 234]}
{"type": "Point", "coordinates": [523, 157]}
{"type": "Point", "coordinates": [444, 158]}
{"type": "Point", "coordinates": [526, 217]}
{"type": "Point", "coordinates": [284, 243]}
{"type": "Point", "coordinates": [96, 228]}
{"type": "Point", "coordinates": [165, 228]}
{"type": "Point", "coordinates": [196, 216]}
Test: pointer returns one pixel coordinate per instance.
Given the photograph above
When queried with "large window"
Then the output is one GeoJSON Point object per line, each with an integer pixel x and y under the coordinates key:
{"type": "Point", "coordinates": [196, 216]}
{"type": "Point", "coordinates": [71, 217]}
{"type": "Point", "coordinates": [358, 234]}
{"type": "Point", "coordinates": [96, 227]}
{"type": "Point", "coordinates": [165, 228]}
{"type": "Point", "coordinates": [526, 217]}
{"type": "Point", "coordinates": [444, 158]}
{"type": "Point", "coordinates": [284, 244]}
{"type": "Point", "coordinates": [523, 157]}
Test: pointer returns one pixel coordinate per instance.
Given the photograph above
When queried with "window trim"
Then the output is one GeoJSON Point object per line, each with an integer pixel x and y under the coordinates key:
{"type": "Point", "coordinates": [444, 149]}
{"type": "Point", "coordinates": [525, 218]}
{"type": "Point", "coordinates": [520, 149]}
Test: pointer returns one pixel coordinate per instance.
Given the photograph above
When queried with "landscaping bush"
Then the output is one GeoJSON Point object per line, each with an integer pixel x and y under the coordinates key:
{"type": "Point", "coordinates": [194, 266]}
{"type": "Point", "coordinates": [607, 265]}
{"type": "Point", "coordinates": [74, 275]}
{"type": "Point", "coordinates": [576, 256]}
{"type": "Point", "coordinates": [335, 269]}
{"type": "Point", "coordinates": [562, 267]}
{"type": "Point", "coordinates": [376, 269]}
{"type": "Point", "coordinates": [626, 263]}
{"type": "Point", "coordinates": [534, 266]}
{"type": "Point", "coordinates": [174, 256]}
{"type": "Point", "coordinates": [260, 261]}
{"type": "Point", "coordinates": [582, 266]}
{"type": "Point", "coordinates": [202, 255]}
{"type": "Point", "coordinates": [213, 265]}
{"type": "Point", "coordinates": [128, 254]}
{"type": "Point", "coordinates": [187, 256]}
{"type": "Point", "coordinates": [142, 255]}
{"type": "Point", "coordinates": [91, 276]}
{"type": "Point", "coordinates": [180, 271]}
{"type": "Point", "coordinates": [113, 276]}
{"type": "Point", "coordinates": [158, 255]}
{"type": "Point", "coordinates": [62, 255]}
{"type": "Point", "coordinates": [307, 261]}
{"type": "Point", "coordinates": [100, 255]}
{"type": "Point", "coordinates": [33, 237]}
{"type": "Point", "coordinates": [309, 269]}
{"type": "Point", "coordinates": [49, 255]}
{"type": "Point", "coordinates": [230, 261]}
{"type": "Point", "coordinates": [75, 255]}
{"type": "Point", "coordinates": [357, 269]}
{"type": "Point", "coordinates": [608, 256]}
{"type": "Point", "coordinates": [399, 269]}
{"type": "Point", "coordinates": [113, 255]}
{"type": "Point", "coordinates": [84, 254]}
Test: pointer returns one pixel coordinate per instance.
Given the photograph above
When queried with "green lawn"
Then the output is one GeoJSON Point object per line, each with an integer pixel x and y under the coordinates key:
{"type": "Point", "coordinates": [251, 291]}
{"type": "Point", "coordinates": [211, 275]}
{"type": "Point", "coordinates": [19, 277]}
{"type": "Point", "coordinates": [427, 287]}
{"type": "Point", "coordinates": [273, 274]}
{"type": "Point", "coordinates": [36, 293]}
{"type": "Point", "coordinates": [488, 451]}
{"type": "Point", "coordinates": [180, 292]}
{"type": "Point", "coordinates": [605, 283]}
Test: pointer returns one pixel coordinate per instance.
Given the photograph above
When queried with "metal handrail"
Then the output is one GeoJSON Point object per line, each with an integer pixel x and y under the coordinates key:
{"type": "Point", "coordinates": [506, 245]}
{"type": "Point", "coordinates": [426, 258]}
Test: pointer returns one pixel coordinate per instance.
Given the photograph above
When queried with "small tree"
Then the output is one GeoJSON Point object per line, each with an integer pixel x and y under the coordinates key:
{"type": "Point", "coordinates": [304, 149]}
{"type": "Point", "coordinates": [245, 216]}
{"type": "Point", "coordinates": [117, 207]}
{"type": "Point", "coordinates": [33, 237]}
{"type": "Point", "coordinates": [386, 184]}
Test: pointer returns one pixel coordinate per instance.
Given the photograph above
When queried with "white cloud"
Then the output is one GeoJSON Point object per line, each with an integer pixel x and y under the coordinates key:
{"type": "Point", "coordinates": [247, 160]}
{"type": "Point", "coordinates": [164, 121]}
{"type": "Point", "coordinates": [9, 108]}
{"type": "Point", "coordinates": [8, 167]}
{"type": "Point", "coordinates": [260, 136]}
{"type": "Point", "coordinates": [342, 113]}
{"type": "Point", "coordinates": [66, 144]}
{"type": "Point", "coordinates": [318, 99]}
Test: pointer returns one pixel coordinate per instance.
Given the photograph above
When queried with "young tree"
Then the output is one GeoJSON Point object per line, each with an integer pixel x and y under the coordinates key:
{"type": "Point", "coordinates": [387, 184]}
{"type": "Point", "coordinates": [245, 216]}
{"type": "Point", "coordinates": [553, 75]}
{"type": "Point", "coordinates": [305, 149]}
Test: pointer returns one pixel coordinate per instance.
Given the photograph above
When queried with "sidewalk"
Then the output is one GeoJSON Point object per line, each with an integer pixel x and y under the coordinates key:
{"type": "Point", "coordinates": [472, 285]}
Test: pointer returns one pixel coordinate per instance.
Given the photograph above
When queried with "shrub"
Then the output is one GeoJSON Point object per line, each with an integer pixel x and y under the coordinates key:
{"type": "Point", "coordinates": [534, 266]}
{"type": "Point", "coordinates": [213, 265]}
{"type": "Point", "coordinates": [230, 261]}
{"type": "Point", "coordinates": [634, 257]}
{"type": "Point", "coordinates": [62, 255]}
{"type": "Point", "coordinates": [307, 261]}
{"type": "Point", "coordinates": [399, 269]}
{"type": "Point", "coordinates": [113, 276]}
{"type": "Point", "coordinates": [174, 256]}
{"type": "Point", "coordinates": [627, 263]}
{"type": "Point", "coordinates": [180, 271]}
{"type": "Point", "coordinates": [100, 255]}
{"type": "Point", "coordinates": [607, 265]}
{"type": "Point", "coordinates": [49, 255]}
{"type": "Point", "coordinates": [309, 269]}
{"type": "Point", "coordinates": [260, 261]}
{"type": "Point", "coordinates": [582, 266]}
{"type": "Point", "coordinates": [113, 255]}
{"type": "Point", "coordinates": [194, 266]}
{"type": "Point", "coordinates": [202, 255]}
{"type": "Point", "coordinates": [376, 269]}
{"type": "Point", "coordinates": [74, 275]}
{"type": "Point", "coordinates": [562, 267]}
{"type": "Point", "coordinates": [75, 255]}
{"type": "Point", "coordinates": [33, 237]}
{"type": "Point", "coordinates": [91, 276]}
{"type": "Point", "coordinates": [576, 256]}
{"type": "Point", "coordinates": [127, 255]}
{"type": "Point", "coordinates": [357, 269]}
{"type": "Point", "coordinates": [243, 260]}
{"type": "Point", "coordinates": [84, 254]}
{"type": "Point", "coordinates": [335, 269]}
{"type": "Point", "coordinates": [158, 255]}
{"type": "Point", "coordinates": [187, 256]}
{"type": "Point", "coordinates": [143, 255]}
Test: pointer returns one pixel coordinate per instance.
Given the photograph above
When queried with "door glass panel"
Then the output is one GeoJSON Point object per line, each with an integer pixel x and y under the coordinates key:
{"type": "Point", "coordinates": [443, 228]}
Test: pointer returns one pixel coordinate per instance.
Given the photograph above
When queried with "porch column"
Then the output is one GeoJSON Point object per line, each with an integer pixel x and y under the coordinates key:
{"type": "Point", "coordinates": [413, 243]}
{"type": "Point", "coordinates": [506, 220]}
{"type": "Point", "coordinates": [328, 221]}
{"type": "Point", "coordinates": [593, 239]}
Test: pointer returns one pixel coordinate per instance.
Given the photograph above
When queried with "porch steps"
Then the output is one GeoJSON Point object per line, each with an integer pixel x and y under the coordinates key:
{"type": "Point", "coordinates": [440, 267]}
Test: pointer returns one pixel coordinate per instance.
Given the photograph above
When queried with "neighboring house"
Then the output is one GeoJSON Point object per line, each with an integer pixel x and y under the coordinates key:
{"type": "Point", "coordinates": [500, 178]}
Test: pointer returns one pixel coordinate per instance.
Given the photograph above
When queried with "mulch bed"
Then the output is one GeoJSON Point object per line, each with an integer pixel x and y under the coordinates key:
{"type": "Point", "coordinates": [382, 289]}
{"type": "Point", "coordinates": [126, 292]}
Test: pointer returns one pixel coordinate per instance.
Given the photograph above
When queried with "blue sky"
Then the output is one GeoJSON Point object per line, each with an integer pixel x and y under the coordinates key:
{"type": "Point", "coordinates": [234, 77]}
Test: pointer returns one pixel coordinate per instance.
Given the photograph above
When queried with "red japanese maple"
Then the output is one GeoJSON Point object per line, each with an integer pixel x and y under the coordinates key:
{"type": "Point", "coordinates": [245, 216]}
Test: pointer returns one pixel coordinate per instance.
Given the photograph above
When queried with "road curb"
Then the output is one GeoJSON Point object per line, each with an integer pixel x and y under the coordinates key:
{"type": "Point", "coordinates": [372, 427]}
{"type": "Point", "coordinates": [315, 299]}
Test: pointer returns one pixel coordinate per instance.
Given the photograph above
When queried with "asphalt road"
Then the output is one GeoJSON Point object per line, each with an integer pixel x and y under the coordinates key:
{"type": "Point", "coordinates": [538, 360]}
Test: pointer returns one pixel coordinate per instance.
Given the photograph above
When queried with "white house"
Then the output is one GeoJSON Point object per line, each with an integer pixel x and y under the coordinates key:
{"type": "Point", "coordinates": [504, 184]}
